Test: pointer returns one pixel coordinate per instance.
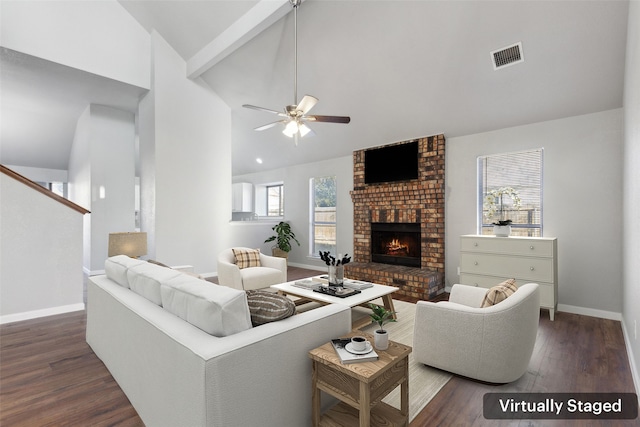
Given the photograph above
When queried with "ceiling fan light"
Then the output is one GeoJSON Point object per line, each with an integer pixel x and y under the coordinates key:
{"type": "Point", "coordinates": [303, 129]}
{"type": "Point", "coordinates": [291, 129]}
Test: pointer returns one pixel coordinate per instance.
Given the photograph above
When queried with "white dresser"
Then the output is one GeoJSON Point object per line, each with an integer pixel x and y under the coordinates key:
{"type": "Point", "coordinates": [488, 260]}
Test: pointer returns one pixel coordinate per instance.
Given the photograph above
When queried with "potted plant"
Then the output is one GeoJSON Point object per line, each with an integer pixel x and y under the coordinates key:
{"type": "Point", "coordinates": [283, 238]}
{"type": "Point", "coordinates": [381, 316]}
{"type": "Point", "coordinates": [494, 204]}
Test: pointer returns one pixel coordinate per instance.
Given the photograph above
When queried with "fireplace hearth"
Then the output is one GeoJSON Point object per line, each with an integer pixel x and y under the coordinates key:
{"type": "Point", "coordinates": [396, 243]}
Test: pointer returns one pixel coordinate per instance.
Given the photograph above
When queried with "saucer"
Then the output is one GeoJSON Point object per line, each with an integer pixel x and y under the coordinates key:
{"type": "Point", "coordinates": [350, 349]}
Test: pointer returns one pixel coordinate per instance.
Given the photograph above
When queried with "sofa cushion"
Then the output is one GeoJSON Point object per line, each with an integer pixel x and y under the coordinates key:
{"type": "Point", "coordinates": [145, 279]}
{"type": "Point", "coordinates": [266, 307]}
{"type": "Point", "coordinates": [217, 310]}
{"type": "Point", "coordinates": [246, 258]}
{"type": "Point", "coordinates": [116, 267]}
{"type": "Point", "coordinates": [499, 293]}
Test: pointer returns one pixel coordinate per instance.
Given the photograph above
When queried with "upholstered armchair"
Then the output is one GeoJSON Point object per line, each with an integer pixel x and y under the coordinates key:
{"type": "Point", "coordinates": [492, 344]}
{"type": "Point", "coordinates": [272, 270]}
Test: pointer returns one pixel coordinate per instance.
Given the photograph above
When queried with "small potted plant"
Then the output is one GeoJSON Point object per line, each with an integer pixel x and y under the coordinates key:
{"type": "Point", "coordinates": [283, 238]}
{"type": "Point", "coordinates": [381, 316]}
{"type": "Point", "coordinates": [494, 205]}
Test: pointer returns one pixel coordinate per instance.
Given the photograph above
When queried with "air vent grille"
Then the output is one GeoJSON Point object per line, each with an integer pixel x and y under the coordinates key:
{"type": "Point", "coordinates": [507, 56]}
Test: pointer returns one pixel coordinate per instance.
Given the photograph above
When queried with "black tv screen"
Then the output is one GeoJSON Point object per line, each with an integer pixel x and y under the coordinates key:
{"type": "Point", "coordinates": [391, 163]}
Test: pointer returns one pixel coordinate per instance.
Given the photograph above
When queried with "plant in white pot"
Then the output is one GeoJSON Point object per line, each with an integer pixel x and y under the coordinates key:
{"type": "Point", "coordinates": [284, 236]}
{"type": "Point", "coordinates": [381, 316]}
{"type": "Point", "coordinates": [494, 204]}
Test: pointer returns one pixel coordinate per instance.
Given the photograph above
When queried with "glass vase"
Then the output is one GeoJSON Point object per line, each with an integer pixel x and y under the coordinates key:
{"type": "Point", "coordinates": [336, 275]}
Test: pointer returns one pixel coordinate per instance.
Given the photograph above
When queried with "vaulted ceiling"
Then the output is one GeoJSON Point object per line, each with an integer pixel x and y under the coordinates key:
{"type": "Point", "coordinates": [399, 69]}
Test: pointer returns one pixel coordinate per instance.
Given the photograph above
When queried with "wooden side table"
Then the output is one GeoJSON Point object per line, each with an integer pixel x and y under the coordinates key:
{"type": "Point", "coordinates": [361, 386]}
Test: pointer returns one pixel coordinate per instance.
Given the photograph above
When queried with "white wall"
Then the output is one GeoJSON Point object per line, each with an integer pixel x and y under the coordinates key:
{"type": "Point", "coordinates": [185, 149]}
{"type": "Point", "coordinates": [40, 254]}
{"type": "Point", "coordinates": [297, 208]}
{"type": "Point", "coordinates": [102, 178]}
{"type": "Point", "coordinates": [40, 174]}
{"type": "Point", "coordinates": [100, 37]}
{"type": "Point", "coordinates": [631, 195]}
{"type": "Point", "coordinates": [582, 201]}
{"type": "Point", "coordinates": [79, 175]}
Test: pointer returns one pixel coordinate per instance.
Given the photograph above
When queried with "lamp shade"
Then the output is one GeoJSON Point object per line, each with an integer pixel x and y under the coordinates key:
{"type": "Point", "coordinates": [133, 244]}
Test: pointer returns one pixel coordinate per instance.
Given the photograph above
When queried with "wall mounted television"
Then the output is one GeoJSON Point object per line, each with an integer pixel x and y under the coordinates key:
{"type": "Point", "coordinates": [391, 163]}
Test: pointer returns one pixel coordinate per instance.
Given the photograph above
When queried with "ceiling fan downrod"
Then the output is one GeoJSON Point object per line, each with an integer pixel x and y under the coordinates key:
{"type": "Point", "coordinates": [295, 4]}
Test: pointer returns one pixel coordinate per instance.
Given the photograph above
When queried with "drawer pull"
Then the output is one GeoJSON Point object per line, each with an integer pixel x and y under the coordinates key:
{"type": "Point", "coordinates": [531, 247]}
{"type": "Point", "coordinates": [531, 268]}
{"type": "Point", "coordinates": [475, 263]}
{"type": "Point", "coordinates": [475, 244]}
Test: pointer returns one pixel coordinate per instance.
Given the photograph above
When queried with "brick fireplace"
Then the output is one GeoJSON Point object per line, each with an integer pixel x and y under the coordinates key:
{"type": "Point", "coordinates": [406, 204]}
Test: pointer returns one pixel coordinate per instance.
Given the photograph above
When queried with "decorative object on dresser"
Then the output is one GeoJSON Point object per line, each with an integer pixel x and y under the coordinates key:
{"type": "Point", "coordinates": [494, 204]}
{"type": "Point", "coordinates": [486, 261]}
{"type": "Point", "coordinates": [381, 316]}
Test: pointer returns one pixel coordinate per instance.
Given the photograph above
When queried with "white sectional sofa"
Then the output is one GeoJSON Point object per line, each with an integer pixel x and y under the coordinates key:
{"type": "Point", "coordinates": [176, 374]}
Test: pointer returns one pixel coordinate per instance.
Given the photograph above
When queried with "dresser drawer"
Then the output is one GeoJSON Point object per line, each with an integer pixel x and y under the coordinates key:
{"type": "Point", "coordinates": [508, 245]}
{"type": "Point", "coordinates": [532, 269]}
{"type": "Point", "coordinates": [547, 295]}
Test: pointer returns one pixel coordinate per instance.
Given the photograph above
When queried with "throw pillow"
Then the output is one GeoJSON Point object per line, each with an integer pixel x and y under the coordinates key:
{"type": "Point", "coordinates": [268, 307]}
{"type": "Point", "coordinates": [246, 258]}
{"type": "Point", "coordinates": [499, 293]}
{"type": "Point", "coordinates": [153, 261]}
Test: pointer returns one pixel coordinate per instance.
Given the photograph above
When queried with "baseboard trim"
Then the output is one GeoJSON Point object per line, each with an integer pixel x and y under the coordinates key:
{"type": "Point", "coordinates": [603, 314]}
{"type": "Point", "coordinates": [632, 364]}
{"type": "Point", "coordinates": [17, 317]}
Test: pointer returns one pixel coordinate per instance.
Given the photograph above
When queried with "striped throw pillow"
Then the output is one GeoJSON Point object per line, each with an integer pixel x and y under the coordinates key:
{"type": "Point", "coordinates": [499, 293]}
{"type": "Point", "coordinates": [246, 258]}
{"type": "Point", "coordinates": [268, 307]}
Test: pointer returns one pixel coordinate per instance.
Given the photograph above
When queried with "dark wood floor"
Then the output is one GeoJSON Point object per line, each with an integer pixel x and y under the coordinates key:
{"type": "Point", "coordinates": [50, 377]}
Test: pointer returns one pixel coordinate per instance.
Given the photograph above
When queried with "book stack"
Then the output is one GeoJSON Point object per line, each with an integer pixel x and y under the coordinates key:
{"type": "Point", "coordinates": [341, 346]}
{"type": "Point", "coordinates": [306, 284]}
{"type": "Point", "coordinates": [356, 284]}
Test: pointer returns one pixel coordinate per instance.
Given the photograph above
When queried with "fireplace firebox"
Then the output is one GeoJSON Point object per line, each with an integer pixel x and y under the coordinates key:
{"type": "Point", "coordinates": [396, 243]}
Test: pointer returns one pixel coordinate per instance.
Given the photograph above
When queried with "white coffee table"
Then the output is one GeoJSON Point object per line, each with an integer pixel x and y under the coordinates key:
{"type": "Point", "coordinates": [361, 299]}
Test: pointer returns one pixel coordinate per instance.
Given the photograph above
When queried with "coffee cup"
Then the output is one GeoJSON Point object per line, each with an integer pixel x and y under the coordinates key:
{"type": "Point", "coordinates": [359, 343]}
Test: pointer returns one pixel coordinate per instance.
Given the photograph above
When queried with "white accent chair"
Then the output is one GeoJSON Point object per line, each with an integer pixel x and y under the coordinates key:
{"type": "Point", "coordinates": [272, 270]}
{"type": "Point", "coordinates": [492, 344]}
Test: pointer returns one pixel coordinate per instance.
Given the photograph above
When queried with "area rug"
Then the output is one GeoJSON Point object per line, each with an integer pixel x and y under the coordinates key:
{"type": "Point", "coordinates": [424, 382]}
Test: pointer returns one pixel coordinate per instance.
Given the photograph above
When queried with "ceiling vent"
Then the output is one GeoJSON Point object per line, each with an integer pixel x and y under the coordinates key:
{"type": "Point", "coordinates": [507, 56]}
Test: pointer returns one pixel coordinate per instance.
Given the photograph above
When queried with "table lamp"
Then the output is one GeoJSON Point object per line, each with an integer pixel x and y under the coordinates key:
{"type": "Point", "coordinates": [133, 244]}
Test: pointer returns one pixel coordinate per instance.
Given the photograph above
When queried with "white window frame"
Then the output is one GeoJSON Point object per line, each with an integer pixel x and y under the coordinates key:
{"type": "Point", "coordinates": [481, 225]}
{"type": "Point", "coordinates": [312, 217]}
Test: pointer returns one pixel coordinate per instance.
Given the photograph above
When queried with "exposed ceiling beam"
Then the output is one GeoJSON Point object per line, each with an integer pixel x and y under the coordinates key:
{"type": "Point", "coordinates": [264, 14]}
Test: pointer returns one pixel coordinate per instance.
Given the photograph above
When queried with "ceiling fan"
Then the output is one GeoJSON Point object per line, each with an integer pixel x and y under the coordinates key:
{"type": "Point", "coordinates": [295, 116]}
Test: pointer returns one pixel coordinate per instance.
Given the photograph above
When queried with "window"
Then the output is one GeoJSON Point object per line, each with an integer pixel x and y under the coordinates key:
{"type": "Point", "coordinates": [59, 188]}
{"type": "Point", "coordinates": [275, 200]}
{"type": "Point", "coordinates": [323, 215]}
{"type": "Point", "coordinates": [510, 187]}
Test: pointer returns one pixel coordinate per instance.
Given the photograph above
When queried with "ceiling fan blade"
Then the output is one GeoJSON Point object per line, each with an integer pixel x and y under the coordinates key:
{"type": "Point", "coordinates": [267, 110]}
{"type": "Point", "coordinates": [270, 125]}
{"type": "Point", "coordinates": [307, 103]}
{"type": "Point", "coordinates": [329, 119]}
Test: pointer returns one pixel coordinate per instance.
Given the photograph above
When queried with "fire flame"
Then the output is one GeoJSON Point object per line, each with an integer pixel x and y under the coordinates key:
{"type": "Point", "coordinates": [396, 246]}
